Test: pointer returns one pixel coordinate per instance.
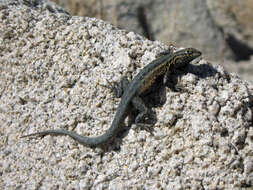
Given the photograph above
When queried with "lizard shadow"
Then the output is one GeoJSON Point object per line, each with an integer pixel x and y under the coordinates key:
{"type": "Point", "coordinates": [202, 71]}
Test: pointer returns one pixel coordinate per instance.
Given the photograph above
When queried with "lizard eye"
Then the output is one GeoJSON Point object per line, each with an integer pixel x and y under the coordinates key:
{"type": "Point", "coordinates": [189, 52]}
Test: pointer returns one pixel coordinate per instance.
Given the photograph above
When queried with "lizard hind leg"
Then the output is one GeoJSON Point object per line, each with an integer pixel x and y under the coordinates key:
{"type": "Point", "coordinates": [143, 118]}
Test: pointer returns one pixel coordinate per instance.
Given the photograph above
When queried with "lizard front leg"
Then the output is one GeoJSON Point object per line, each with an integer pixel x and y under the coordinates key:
{"type": "Point", "coordinates": [118, 88]}
{"type": "Point", "coordinates": [138, 104]}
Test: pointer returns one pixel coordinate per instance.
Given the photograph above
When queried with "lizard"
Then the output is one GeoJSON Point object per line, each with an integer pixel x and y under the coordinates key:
{"type": "Point", "coordinates": [161, 66]}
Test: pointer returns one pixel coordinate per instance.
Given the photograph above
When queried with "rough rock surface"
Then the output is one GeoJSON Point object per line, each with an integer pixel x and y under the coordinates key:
{"type": "Point", "coordinates": [53, 68]}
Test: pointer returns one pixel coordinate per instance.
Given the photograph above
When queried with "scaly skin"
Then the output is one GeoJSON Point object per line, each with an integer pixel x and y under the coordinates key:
{"type": "Point", "coordinates": [141, 83]}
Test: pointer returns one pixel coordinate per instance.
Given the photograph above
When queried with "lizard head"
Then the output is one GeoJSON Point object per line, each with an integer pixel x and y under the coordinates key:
{"type": "Point", "coordinates": [185, 56]}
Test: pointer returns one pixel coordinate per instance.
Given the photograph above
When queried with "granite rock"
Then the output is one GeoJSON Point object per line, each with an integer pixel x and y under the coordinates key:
{"type": "Point", "coordinates": [53, 71]}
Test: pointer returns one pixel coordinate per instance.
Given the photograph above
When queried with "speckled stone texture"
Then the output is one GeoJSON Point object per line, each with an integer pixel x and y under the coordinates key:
{"type": "Point", "coordinates": [53, 71]}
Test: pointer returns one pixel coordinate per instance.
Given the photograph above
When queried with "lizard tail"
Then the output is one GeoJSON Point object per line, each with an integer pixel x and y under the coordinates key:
{"type": "Point", "coordinates": [91, 141]}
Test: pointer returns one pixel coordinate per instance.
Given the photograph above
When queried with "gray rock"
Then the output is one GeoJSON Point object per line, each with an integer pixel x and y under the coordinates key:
{"type": "Point", "coordinates": [53, 68]}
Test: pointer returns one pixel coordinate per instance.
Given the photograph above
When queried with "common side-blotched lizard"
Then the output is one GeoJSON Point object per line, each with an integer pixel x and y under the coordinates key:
{"type": "Point", "coordinates": [131, 96]}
